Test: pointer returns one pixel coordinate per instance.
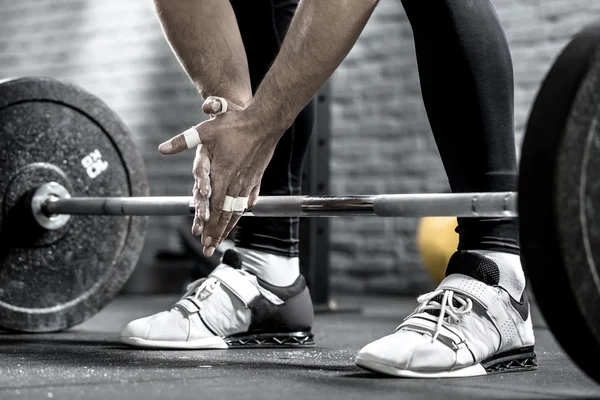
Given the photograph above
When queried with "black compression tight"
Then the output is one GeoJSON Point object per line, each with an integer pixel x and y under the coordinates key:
{"type": "Point", "coordinates": [466, 76]}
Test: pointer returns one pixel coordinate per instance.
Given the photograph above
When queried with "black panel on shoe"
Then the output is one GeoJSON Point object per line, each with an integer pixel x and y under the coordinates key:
{"type": "Point", "coordinates": [296, 314]}
{"type": "Point", "coordinates": [285, 292]}
{"type": "Point", "coordinates": [474, 265]}
{"type": "Point", "coordinates": [232, 258]}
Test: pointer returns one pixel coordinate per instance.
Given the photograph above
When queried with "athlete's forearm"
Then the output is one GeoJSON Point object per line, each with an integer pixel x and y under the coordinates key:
{"type": "Point", "coordinates": [319, 38]}
{"type": "Point", "coordinates": [205, 37]}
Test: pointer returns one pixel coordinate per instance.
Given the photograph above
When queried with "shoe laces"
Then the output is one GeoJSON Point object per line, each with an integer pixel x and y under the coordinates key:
{"type": "Point", "coordinates": [447, 310]}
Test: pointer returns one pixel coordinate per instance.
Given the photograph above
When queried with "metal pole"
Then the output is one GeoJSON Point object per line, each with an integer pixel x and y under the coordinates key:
{"type": "Point", "coordinates": [496, 204]}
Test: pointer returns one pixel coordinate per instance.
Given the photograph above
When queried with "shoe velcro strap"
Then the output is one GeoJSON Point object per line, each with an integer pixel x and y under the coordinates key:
{"type": "Point", "coordinates": [476, 290]}
{"type": "Point", "coordinates": [236, 282]}
{"type": "Point", "coordinates": [189, 305]}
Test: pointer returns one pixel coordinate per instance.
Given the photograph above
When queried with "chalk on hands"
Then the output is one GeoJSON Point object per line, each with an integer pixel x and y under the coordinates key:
{"type": "Point", "coordinates": [215, 105]}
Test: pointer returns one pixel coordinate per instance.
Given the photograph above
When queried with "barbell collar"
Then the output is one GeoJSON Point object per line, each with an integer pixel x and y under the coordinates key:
{"type": "Point", "coordinates": [498, 204]}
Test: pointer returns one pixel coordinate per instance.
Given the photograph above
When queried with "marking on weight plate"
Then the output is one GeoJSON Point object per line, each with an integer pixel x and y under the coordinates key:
{"type": "Point", "coordinates": [94, 164]}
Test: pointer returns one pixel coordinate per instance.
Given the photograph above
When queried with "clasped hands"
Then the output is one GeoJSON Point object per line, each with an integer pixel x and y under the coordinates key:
{"type": "Point", "coordinates": [233, 149]}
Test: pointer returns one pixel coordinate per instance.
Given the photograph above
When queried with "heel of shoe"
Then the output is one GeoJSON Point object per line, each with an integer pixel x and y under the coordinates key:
{"type": "Point", "coordinates": [296, 314]}
{"type": "Point", "coordinates": [523, 359]}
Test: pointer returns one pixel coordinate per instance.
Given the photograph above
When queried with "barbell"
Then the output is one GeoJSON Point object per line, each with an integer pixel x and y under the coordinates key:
{"type": "Point", "coordinates": [69, 165]}
{"type": "Point", "coordinates": [52, 201]}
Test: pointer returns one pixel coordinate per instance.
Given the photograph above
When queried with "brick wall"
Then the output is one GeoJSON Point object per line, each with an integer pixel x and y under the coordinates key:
{"type": "Point", "coordinates": [381, 139]}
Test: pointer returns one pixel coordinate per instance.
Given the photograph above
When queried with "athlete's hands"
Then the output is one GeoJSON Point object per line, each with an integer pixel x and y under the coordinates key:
{"type": "Point", "coordinates": [234, 152]}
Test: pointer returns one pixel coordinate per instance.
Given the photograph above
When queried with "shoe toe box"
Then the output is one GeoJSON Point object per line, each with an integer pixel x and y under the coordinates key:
{"type": "Point", "coordinates": [408, 350]}
{"type": "Point", "coordinates": [164, 326]}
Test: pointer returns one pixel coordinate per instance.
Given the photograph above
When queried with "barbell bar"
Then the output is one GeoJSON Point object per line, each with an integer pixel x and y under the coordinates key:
{"type": "Point", "coordinates": [492, 204]}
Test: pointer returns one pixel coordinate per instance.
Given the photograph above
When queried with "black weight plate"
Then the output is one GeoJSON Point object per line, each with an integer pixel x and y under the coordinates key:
{"type": "Point", "coordinates": [53, 130]}
{"type": "Point", "coordinates": [559, 199]}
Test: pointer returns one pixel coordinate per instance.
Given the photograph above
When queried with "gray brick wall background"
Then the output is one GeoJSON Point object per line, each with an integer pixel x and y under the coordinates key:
{"type": "Point", "coordinates": [381, 142]}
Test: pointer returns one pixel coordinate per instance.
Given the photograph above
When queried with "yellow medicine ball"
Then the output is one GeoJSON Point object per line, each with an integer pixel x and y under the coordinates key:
{"type": "Point", "coordinates": [437, 240]}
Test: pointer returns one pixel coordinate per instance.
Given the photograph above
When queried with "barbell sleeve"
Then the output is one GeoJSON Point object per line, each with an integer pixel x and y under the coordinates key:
{"type": "Point", "coordinates": [488, 204]}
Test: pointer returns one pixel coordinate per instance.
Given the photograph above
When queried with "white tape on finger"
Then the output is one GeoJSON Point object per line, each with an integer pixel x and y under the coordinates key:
{"type": "Point", "coordinates": [241, 203]}
{"type": "Point", "coordinates": [192, 138]}
{"type": "Point", "coordinates": [228, 203]}
{"type": "Point", "coordinates": [224, 105]}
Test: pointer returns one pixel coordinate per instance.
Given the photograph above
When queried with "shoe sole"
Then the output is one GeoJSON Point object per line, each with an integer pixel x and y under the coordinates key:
{"type": "Point", "coordinates": [212, 343]}
{"type": "Point", "coordinates": [269, 340]}
{"type": "Point", "coordinates": [281, 340]}
{"type": "Point", "coordinates": [512, 361]}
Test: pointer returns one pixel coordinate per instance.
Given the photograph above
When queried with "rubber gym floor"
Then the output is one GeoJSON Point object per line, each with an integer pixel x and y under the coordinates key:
{"type": "Point", "coordinates": [88, 362]}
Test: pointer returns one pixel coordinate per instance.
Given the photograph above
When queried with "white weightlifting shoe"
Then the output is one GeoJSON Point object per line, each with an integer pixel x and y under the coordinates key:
{"type": "Point", "coordinates": [230, 308]}
{"type": "Point", "coordinates": [466, 327]}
